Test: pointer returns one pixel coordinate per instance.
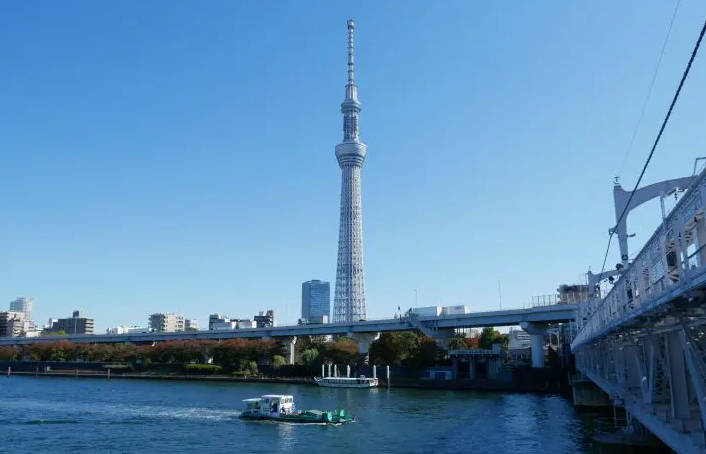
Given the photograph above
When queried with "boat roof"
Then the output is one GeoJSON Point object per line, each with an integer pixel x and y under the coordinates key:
{"type": "Point", "coordinates": [254, 399]}
{"type": "Point", "coordinates": [276, 396]}
{"type": "Point", "coordinates": [348, 378]}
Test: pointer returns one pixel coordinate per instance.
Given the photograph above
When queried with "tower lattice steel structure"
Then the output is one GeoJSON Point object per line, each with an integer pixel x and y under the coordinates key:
{"type": "Point", "coordinates": [349, 296]}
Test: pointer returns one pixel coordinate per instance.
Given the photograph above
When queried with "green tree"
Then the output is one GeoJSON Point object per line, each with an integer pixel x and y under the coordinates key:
{"type": "Point", "coordinates": [248, 366]}
{"type": "Point", "coordinates": [9, 353]}
{"type": "Point", "coordinates": [394, 348]}
{"type": "Point", "coordinates": [341, 352]}
{"type": "Point", "coordinates": [487, 337]}
{"type": "Point", "coordinates": [61, 332]}
{"type": "Point", "coordinates": [457, 343]}
{"type": "Point", "coordinates": [278, 361]}
{"type": "Point", "coordinates": [309, 355]}
{"type": "Point", "coordinates": [490, 336]}
{"type": "Point", "coordinates": [505, 341]}
{"type": "Point", "coordinates": [429, 353]}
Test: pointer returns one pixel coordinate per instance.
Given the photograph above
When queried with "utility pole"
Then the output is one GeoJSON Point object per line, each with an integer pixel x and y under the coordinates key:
{"type": "Point", "coordinates": [415, 298]}
{"type": "Point", "coordinates": [500, 295]}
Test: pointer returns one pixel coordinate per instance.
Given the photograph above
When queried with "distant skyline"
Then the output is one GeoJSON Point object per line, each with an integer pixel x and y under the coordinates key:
{"type": "Point", "coordinates": [177, 157]}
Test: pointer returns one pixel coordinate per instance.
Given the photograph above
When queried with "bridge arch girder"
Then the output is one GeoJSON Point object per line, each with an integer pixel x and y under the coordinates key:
{"type": "Point", "coordinates": [640, 196]}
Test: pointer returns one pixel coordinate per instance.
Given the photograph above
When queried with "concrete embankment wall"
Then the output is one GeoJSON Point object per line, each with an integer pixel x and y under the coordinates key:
{"type": "Point", "coordinates": [512, 380]}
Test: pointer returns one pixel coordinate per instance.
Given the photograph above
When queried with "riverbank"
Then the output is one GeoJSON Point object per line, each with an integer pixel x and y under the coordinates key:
{"type": "Point", "coordinates": [456, 385]}
{"type": "Point", "coordinates": [157, 376]}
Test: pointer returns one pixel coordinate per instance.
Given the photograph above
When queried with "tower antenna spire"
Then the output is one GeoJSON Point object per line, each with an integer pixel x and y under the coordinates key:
{"type": "Point", "coordinates": [351, 88]}
{"type": "Point", "coordinates": [351, 52]}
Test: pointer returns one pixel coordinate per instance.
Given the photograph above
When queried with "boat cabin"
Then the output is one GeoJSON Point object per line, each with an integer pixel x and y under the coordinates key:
{"type": "Point", "coordinates": [270, 404]}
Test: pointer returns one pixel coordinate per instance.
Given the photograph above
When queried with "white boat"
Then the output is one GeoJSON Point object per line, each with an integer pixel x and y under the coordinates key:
{"type": "Point", "coordinates": [347, 382]}
{"type": "Point", "coordinates": [280, 407]}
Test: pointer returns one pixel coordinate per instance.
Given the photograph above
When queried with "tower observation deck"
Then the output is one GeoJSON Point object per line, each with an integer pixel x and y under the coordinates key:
{"type": "Point", "coordinates": [349, 294]}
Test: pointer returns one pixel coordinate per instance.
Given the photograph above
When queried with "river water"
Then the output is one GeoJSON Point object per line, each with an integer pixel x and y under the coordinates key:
{"type": "Point", "coordinates": [39, 415]}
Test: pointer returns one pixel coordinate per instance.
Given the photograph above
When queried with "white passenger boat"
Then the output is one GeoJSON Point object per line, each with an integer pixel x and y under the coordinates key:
{"type": "Point", "coordinates": [347, 382]}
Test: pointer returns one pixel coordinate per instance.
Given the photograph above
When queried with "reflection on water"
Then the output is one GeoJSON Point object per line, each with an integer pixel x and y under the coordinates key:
{"type": "Point", "coordinates": [121, 416]}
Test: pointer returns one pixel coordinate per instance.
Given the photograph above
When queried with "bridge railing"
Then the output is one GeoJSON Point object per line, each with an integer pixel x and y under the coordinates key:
{"type": "Point", "coordinates": [670, 264]}
{"type": "Point", "coordinates": [544, 300]}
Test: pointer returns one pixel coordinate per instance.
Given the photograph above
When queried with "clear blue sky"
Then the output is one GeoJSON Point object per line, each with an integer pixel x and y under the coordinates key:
{"type": "Point", "coordinates": [179, 156]}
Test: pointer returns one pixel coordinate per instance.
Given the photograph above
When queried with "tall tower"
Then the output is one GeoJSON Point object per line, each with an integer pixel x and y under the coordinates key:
{"type": "Point", "coordinates": [349, 296]}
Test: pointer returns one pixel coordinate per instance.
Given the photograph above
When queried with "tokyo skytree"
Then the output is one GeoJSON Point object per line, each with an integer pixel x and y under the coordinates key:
{"type": "Point", "coordinates": [349, 296]}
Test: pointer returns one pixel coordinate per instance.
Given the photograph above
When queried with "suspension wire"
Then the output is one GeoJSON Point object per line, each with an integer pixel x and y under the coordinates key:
{"type": "Point", "coordinates": [656, 142]}
{"type": "Point", "coordinates": [649, 92]}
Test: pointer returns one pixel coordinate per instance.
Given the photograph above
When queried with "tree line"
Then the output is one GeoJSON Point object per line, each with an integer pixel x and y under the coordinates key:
{"type": "Point", "coordinates": [408, 348]}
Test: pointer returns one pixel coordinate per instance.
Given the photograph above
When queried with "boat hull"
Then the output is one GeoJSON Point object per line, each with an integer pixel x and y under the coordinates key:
{"type": "Point", "coordinates": [296, 419]}
{"type": "Point", "coordinates": [352, 383]}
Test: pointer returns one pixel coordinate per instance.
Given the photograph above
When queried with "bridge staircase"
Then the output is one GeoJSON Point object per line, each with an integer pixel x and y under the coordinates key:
{"type": "Point", "coordinates": [429, 329]}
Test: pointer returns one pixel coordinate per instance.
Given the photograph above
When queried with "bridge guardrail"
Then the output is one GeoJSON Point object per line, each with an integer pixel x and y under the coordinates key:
{"type": "Point", "coordinates": [670, 263]}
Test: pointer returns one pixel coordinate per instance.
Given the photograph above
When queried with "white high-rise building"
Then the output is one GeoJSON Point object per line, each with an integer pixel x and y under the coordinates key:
{"type": "Point", "coordinates": [349, 294]}
{"type": "Point", "coordinates": [25, 305]}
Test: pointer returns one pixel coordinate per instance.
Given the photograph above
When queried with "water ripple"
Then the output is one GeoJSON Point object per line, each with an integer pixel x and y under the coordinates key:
{"type": "Point", "coordinates": [119, 416]}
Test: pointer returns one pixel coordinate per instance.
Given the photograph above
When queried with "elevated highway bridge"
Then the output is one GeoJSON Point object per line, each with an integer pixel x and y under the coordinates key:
{"type": "Point", "coordinates": [441, 327]}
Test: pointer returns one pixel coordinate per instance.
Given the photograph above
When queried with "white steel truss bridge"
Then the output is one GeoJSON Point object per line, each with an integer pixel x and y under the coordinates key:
{"type": "Point", "coordinates": [644, 344]}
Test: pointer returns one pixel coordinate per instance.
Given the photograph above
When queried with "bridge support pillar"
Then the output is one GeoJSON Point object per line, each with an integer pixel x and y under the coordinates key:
{"type": "Point", "coordinates": [289, 343]}
{"type": "Point", "coordinates": [472, 367]}
{"type": "Point", "coordinates": [587, 394]}
{"type": "Point", "coordinates": [493, 367]}
{"type": "Point", "coordinates": [442, 338]}
{"type": "Point", "coordinates": [536, 332]}
{"type": "Point", "coordinates": [364, 340]}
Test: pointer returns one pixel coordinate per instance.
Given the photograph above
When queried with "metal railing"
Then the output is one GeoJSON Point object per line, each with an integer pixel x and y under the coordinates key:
{"type": "Point", "coordinates": [668, 265]}
{"type": "Point", "coordinates": [545, 300]}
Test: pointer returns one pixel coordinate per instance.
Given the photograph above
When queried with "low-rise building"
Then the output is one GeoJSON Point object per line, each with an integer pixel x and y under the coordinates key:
{"type": "Point", "coordinates": [123, 329]}
{"type": "Point", "coordinates": [76, 324]}
{"type": "Point", "coordinates": [224, 325]}
{"type": "Point", "coordinates": [233, 324]}
{"type": "Point", "coordinates": [318, 320]}
{"type": "Point", "coordinates": [519, 347]}
{"type": "Point", "coordinates": [266, 319]}
{"type": "Point", "coordinates": [245, 324]}
{"type": "Point", "coordinates": [217, 318]}
{"type": "Point", "coordinates": [138, 329]}
{"type": "Point", "coordinates": [191, 325]}
{"type": "Point", "coordinates": [12, 324]}
{"type": "Point", "coordinates": [572, 294]}
{"type": "Point", "coordinates": [165, 323]}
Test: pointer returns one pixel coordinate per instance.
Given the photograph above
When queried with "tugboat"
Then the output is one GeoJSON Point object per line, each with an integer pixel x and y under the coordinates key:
{"type": "Point", "coordinates": [277, 407]}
